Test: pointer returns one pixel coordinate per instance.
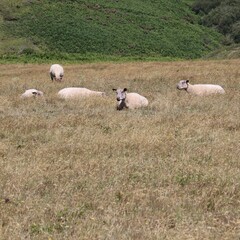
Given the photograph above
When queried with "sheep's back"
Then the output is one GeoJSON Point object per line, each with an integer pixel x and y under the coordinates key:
{"type": "Point", "coordinates": [56, 69]}
{"type": "Point", "coordinates": [206, 89]}
{"type": "Point", "coordinates": [135, 100]}
{"type": "Point", "coordinates": [73, 92]}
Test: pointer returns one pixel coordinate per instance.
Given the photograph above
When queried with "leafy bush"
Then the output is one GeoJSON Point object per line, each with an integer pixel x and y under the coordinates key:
{"type": "Point", "coordinates": [223, 15]}
{"type": "Point", "coordinates": [205, 6]}
{"type": "Point", "coordinates": [236, 32]}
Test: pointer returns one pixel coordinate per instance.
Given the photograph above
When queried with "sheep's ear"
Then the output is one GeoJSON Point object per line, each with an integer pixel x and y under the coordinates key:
{"type": "Point", "coordinates": [114, 89]}
{"type": "Point", "coordinates": [187, 81]}
{"type": "Point", "coordinates": [125, 89]}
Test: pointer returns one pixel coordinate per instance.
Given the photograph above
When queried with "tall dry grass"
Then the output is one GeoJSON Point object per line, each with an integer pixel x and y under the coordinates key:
{"type": "Point", "coordinates": [82, 170]}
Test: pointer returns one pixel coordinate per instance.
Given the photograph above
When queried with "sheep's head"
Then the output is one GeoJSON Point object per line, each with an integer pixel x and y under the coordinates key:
{"type": "Point", "coordinates": [57, 78]}
{"type": "Point", "coordinates": [32, 93]}
{"type": "Point", "coordinates": [183, 84]}
{"type": "Point", "coordinates": [37, 93]}
{"type": "Point", "coordinates": [121, 96]}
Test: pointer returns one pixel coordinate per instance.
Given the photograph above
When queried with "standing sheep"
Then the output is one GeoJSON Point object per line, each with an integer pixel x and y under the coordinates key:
{"type": "Point", "coordinates": [76, 92]}
{"type": "Point", "coordinates": [56, 72]}
{"type": "Point", "coordinates": [129, 100]}
{"type": "Point", "coordinates": [200, 89]}
{"type": "Point", "coordinates": [32, 93]}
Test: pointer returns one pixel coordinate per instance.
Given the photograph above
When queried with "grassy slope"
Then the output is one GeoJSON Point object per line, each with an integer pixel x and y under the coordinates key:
{"type": "Point", "coordinates": [82, 170]}
{"type": "Point", "coordinates": [120, 28]}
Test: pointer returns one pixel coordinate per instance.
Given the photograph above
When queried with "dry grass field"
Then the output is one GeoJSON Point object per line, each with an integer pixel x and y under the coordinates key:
{"type": "Point", "coordinates": [82, 170]}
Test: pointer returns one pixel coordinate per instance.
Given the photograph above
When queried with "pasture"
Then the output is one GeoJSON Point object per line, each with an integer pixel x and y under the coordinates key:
{"type": "Point", "coordinates": [83, 170]}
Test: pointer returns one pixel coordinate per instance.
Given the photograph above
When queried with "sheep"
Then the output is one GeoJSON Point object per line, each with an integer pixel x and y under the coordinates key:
{"type": "Point", "coordinates": [200, 89]}
{"type": "Point", "coordinates": [129, 100]}
{"type": "Point", "coordinates": [77, 92]}
{"type": "Point", "coordinates": [32, 93]}
{"type": "Point", "coordinates": [56, 72]}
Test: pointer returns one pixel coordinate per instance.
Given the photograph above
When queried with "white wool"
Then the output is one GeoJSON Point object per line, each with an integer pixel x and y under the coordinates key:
{"type": "Point", "coordinates": [129, 100]}
{"type": "Point", "coordinates": [76, 92]}
{"type": "Point", "coordinates": [135, 100]}
{"type": "Point", "coordinates": [32, 93]}
{"type": "Point", "coordinates": [204, 89]}
{"type": "Point", "coordinates": [56, 72]}
{"type": "Point", "coordinates": [200, 89]}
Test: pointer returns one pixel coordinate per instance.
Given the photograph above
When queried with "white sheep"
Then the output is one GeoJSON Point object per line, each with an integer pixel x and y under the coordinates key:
{"type": "Point", "coordinates": [56, 72]}
{"type": "Point", "coordinates": [200, 89]}
{"type": "Point", "coordinates": [129, 100]}
{"type": "Point", "coordinates": [77, 92]}
{"type": "Point", "coordinates": [32, 93]}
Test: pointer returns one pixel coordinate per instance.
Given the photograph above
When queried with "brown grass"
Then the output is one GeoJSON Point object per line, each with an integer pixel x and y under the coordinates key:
{"type": "Point", "coordinates": [82, 170]}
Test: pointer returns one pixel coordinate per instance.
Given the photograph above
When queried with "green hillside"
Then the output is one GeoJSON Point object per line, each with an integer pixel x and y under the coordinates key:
{"type": "Point", "coordinates": [82, 29]}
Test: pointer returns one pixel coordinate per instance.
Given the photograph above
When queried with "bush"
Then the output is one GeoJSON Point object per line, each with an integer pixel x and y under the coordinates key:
{"type": "Point", "coordinates": [222, 15]}
{"type": "Point", "coordinates": [236, 32]}
{"type": "Point", "coordinates": [222, 18]}
{"type": "Point", "coordinates": [205, 6]}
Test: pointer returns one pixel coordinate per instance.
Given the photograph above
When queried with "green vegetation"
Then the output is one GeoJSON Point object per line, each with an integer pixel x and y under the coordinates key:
{"type": "Point", "coordinates": [95, 30]}
{"type": "Point", "coordinates": [223, 15]}
{"type": "Point", "coordinates": [227, 52]}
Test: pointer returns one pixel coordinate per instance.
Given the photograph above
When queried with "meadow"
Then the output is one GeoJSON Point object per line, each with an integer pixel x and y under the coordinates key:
{"type": "Point", "coordinates": [83, 170]}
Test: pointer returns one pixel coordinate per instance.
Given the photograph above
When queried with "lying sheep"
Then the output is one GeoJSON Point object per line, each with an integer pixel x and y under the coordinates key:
{"type": "Point", "coordinates": [56, 72]}
{"type": "Point", "coordinates": [77, 92]}
{"type": "Point", "coordinates": [32, 93]}
{"type": "Point", "coordinates": [200, 89]}
{"type": "Point", "coordinates": [129, 100]}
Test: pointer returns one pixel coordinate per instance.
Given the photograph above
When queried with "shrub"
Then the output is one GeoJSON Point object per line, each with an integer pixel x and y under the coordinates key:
{"type": "Point", "coordinates": [205, 6]}
{"type": "Point", "coordinates": [236, 32]}
{"type": "Point", "coordinates": [222, 15]}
